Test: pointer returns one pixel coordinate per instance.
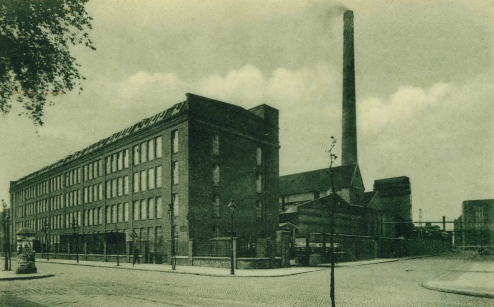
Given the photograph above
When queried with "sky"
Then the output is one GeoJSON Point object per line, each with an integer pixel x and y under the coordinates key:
{"type": "Point", "coordinates": [424, 72]}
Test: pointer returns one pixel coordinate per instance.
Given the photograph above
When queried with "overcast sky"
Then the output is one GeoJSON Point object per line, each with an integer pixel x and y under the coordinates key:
{"type": "Point", "coordinates": [424, 79]}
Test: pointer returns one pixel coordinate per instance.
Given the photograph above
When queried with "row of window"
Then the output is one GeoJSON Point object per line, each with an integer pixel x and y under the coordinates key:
{"type": "Point", "coordinates": [115, 213]}
{"type": "Point", "coordinates": [117, 161]}
{"type": "Point", "coordinates": [148, 150]}
{"type": "Point", "coordinates": [117, 187]}
{"type": "Point", "coordinates": [92, 170]}
{"type": "Point", "coordinates": [93, 193]}
{"type": "Point", "coordinates": [71, 177]}
{"type": "Point", "coordinates": [149, 179]}
{"type": "Point", "coordinates": [148, 209]}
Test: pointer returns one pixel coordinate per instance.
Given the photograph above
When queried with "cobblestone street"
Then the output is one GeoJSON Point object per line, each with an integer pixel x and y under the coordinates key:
{"type": "Point", "coordinates": [386, 284]}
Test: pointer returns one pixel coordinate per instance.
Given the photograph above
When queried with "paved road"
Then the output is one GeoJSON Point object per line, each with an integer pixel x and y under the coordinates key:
{"type": "Point", "coordinates": [386, 284]}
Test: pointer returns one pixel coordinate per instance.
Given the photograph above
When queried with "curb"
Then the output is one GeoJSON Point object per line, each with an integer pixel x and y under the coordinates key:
{"type": "Point", "coordinates": [182, 272]}
{"type": "Point", "coordinates": [457, 291]}
{"type": "Point", "coordinates": [26, 277]}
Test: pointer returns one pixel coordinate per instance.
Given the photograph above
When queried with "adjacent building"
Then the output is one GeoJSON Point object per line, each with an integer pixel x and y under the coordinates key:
{"type": "Point", "coordinates": [168, 178]}
{"type": "Point", "coordinates": [474, 229]}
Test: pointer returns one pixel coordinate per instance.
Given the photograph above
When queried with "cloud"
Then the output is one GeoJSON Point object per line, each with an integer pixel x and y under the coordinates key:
{"type": "Point", "coordinates": [404, 104]}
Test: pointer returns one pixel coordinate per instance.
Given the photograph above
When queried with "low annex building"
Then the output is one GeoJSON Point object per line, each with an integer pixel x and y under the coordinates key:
{"type": "Point", "coordinates": [168, 178]}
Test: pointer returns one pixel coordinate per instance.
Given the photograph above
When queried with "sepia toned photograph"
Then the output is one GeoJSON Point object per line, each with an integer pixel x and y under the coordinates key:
{"type": "Point", "coordinates": [246, 153]}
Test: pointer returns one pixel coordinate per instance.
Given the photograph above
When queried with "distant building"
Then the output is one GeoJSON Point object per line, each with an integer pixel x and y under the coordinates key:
{"type": "Point", "coordinates": [182, 165]}
{"type": "Point", "coordinates": [395, 194]}
{"type": "Point", "coordinates": [474, 229]}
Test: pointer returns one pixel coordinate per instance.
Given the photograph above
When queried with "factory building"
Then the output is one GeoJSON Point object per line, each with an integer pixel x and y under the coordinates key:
{"type": "Point", "coordinates": [168, 178]}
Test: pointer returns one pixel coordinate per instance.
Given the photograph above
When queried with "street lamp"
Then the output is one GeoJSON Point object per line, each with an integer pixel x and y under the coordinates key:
{"type": "Point", "coordinates": [74, 227]}
{"type": "Point", "coordinates": [46, 229]}
{"type": "Point", "coordinates": [173, 259]}
{"type": "Point", "coordinates": [231, 206]}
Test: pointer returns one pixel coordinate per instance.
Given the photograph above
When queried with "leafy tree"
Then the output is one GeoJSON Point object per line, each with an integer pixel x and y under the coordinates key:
{"type": "Point", "coordinates": [35, 60]}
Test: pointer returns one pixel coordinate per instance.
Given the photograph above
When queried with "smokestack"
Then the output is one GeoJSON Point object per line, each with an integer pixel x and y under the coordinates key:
{"type": "Point", "coordinates": [349, 131]}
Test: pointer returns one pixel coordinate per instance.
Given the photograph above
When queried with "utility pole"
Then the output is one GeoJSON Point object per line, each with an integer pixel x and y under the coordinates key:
{"type": "Point", "coordinates": [332, 158]}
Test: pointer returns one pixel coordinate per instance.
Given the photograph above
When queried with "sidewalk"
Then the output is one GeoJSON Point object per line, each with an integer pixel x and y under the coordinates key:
{"type": "Point", "coordinates": [477, 280]}
{"type": "Point", "coordinates": [193, 270]}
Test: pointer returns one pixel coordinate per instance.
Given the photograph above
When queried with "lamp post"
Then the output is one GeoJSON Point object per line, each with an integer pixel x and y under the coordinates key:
{"type": "Point", "coordinates": [74, 228]}
{"type": "Point", "coordinates": [231, 206]}
{"type": "Point", "coordinates": [173, 259]}
{"type": "Point", "coordinates": [46, 229]}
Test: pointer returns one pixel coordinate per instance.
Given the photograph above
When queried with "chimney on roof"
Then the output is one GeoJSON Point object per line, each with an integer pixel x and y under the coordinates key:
{"type": "Point", "coordinates": [349, 129]}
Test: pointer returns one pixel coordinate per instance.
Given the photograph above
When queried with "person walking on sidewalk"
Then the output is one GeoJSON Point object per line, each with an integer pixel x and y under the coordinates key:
{"type": "Point", "coordinates": [136, 256]}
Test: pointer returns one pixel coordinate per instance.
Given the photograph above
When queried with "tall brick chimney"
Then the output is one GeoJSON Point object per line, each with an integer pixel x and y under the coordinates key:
{"type": "Point", "coordinates": [349, 129]}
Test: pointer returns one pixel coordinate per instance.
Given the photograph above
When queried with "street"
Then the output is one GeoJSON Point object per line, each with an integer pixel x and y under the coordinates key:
{"type": "Point", "coordinates": [386, 284]}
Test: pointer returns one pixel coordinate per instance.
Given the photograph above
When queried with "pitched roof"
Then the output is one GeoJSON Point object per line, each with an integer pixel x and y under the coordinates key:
{"type": "Point", "coordinates": [318, 180]}
{"type": "Point", "coordinates": [368, 196]}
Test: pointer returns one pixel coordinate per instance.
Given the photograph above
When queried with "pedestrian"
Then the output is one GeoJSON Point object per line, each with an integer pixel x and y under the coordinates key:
{"type": "Point", "coordinates": [136, 256]}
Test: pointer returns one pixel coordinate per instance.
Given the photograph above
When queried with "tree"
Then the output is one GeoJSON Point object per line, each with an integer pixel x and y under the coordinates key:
{"type": "Point", "coordinates": [35, 60]}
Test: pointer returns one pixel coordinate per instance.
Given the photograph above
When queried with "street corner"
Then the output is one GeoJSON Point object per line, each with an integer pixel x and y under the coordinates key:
{"type": "Point", "coordinates": [11, 275]}
{"type": "Point", "coordinates": [459, 288]}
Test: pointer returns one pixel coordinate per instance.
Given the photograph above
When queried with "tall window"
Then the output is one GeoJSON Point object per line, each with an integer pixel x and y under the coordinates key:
{"type": "Point", "coordinates": [259, 183]}
{"type": "Point", "coordinates": [108, 164]}
{"type": "Point", "coordinates": [114, 188]}
{"type": "Point", "coordinates": [259, 210]}
{"type": "Point", "coordinates": [119, 160]}
{"type": "Point", "coordinates": [136, 210]}
{"type": "Point", "coordinates": [176, 205]}
{"type": "Point", "coordinates": [136, 155]}
{"type": "Point", "coordinates": [159, 148]}
{"type": "Point", "coordinates": [143, 181]}
{"type": "Point", "coordinates": [126, 212]}
{"type": "Point", "coordinates": [144, 153]}
{"type": "Point", "coordinates": [144, 209]}
{"type": "Point", "coordinates": [100, 191]}
{"type": "Point", "coordinates": [216, 144]}
{"type": "Point", "coordinates": [100, 215]}
{"type": "Point", "coordinates": [151, 208]}
{"type": "Point", "coordinates": [114, 162]}
{"type": "Point", "coordinates": [120, 186]}
{"type": "Point", "coordinates": [216, 174]}
{"type": "Point", "coordinates": [114, 213]}
{"type": "Point", "coordinates": [126, 185]}
{"type": "Point", "coordinates": [108, 214]}
{"type": "Point", "coordinates": [159, 207]}
{"type": "Point", "coordinates": [151, 149]}
{"type": "Point", "coordinates": [151, 178]}
{"type": "Point", "coordinates": [120, 212]}
{"type": "Point", "coordinates": [259, 156]}
{"type": "Point", "coordinates": [126, 158]}
{"type": "Point", "coordinates": [216, 206]}
{"type": "Point", "coordinates": [175, 172]}
{"type": "Point", "coordinates": [175, 141]}
{"type": "Point", "coordinates": [159, 178]}
{"type": "Point", "coordinates": [136, 182]}
{"type": "Point", "coordinates": [90, 216]}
